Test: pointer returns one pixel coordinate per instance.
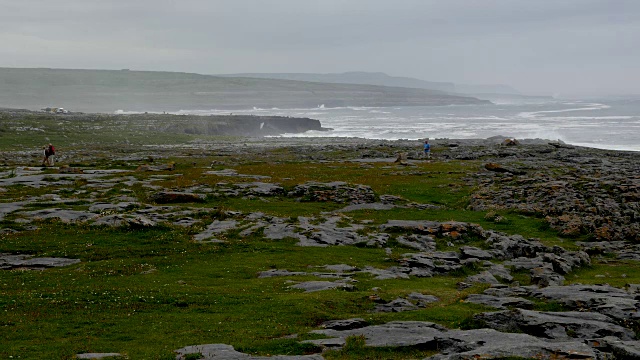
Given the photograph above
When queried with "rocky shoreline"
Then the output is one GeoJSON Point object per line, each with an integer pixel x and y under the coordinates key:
{"type": "Point", "coordinates": [584, 193]}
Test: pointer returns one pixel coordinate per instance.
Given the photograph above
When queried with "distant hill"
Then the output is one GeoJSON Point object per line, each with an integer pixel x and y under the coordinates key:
{"type": "Point", "coordinates": [382, 79]}
{"type": "Point", "coordinates": [355, 77]}
{"type": "Point", "coordinates": [486, 89]}
{"type": "Point", "coordinates": [110, 90]}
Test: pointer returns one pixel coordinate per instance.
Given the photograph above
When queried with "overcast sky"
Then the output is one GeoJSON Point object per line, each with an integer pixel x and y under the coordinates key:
{"type": "Point", "coordinates": [538, 46]}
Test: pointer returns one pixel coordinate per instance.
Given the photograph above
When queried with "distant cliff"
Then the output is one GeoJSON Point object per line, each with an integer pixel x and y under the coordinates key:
{"type": "Point", "coordinates": [356, 77]}
{"type": "Point", "coordinates": [110, 90]}
{"type": "Point", "coordinates": [382, 79]}
{"type": "Point", "coordinates": [78, 125]}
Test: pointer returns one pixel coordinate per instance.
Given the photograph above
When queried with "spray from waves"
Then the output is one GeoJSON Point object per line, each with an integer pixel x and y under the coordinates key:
{"type": "Point", "coordinates": [579, 123]}
{"type": "Point", "coordinates": [589, 107]}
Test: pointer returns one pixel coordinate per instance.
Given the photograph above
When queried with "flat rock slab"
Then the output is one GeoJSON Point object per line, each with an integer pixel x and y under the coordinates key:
{"type": "Point", "coordinates": [234, 173]}
{"type": "Point", "coordinates": [605, 299]}
{"type": "Point", "coordinates": [215, 228]}
{"type": "Point", "coordinates": [67, 216]}
{"type": "Point", "coordinates": [556, 325]}
{"type": "Point", "coordinates": [8, 261]}
{"type": "Point", "coordinates": [499, 302]}
{"type": "Point", "coordinates": [458, 344]}
{"type": "Point", "coordinates": [491, 344]}
{"type": "Point", "coordinates": [279, 272]}
{"type": "Point", "coordinates": [621, 349]}
{"type": "Point", "coordinates": [227, 352]}
{"type": "Point", "coordinates": [97, 355]}
{"type": "Point", "coordinates": [395, 333]}
{"type": "Point", "coordinates": [311, 286]}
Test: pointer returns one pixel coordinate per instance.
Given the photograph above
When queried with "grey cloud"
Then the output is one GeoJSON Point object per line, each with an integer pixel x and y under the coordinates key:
{"type": "Point", "coordinates": [536, 46]}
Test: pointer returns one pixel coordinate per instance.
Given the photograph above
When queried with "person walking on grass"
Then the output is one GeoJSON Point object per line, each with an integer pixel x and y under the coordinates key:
{"type": "Point", "coordinates": [49, 153]}
{"type": "Point", "coordinates": [52, 153]}
{"type": "Point", "coordinates": [427, 149]}
{"type": "Point", "coordinates": [45, 155]}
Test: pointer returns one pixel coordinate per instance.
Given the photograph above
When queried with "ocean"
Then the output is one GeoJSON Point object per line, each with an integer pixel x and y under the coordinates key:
{"type": "Point", "coordinates": [606, 124]}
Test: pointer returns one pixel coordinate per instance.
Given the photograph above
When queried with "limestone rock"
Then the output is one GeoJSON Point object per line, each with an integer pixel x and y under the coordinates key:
{"type": "Point", "coordinates": [556, 325]}
{"type": "Point", "coordinates": [172, 197]}
{"type": "Point", "coordinates": [227, 352]}
{"type": "Point", "coordinates": [499, 302]}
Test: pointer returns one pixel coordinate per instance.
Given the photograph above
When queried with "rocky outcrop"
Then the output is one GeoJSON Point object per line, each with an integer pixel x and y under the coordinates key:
{"type": "Point", "coordinates": [556, 325]}
{"type": "Point", "coordinates": [227, 352]}
{"type": "Point", "coordinates": [20, 261]}
{"type": "Point", "coordinates": [578, 191]}
{"type": "Point", "coordinates": [458, 344]}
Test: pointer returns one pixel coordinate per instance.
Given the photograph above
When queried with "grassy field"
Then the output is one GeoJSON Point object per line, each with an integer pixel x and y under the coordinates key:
{"type": "Point", "coordinates": [147, 292]}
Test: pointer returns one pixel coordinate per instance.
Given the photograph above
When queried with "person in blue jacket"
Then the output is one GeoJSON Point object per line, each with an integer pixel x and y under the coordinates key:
{"type": "Point", "coordinates": [427, 149]}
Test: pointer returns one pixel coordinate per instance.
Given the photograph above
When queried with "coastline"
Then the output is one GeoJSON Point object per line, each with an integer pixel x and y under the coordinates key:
{"type": "Point", "coordinates": [199, 231]}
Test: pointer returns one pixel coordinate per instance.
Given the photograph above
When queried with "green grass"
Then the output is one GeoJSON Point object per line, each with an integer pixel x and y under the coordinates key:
{"type": "Point", "coordinates": [618, 273]}
{"type": "Point", "coordinates": [194, 293]}
{"type": "Point", "coordinates": [145, 293]}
